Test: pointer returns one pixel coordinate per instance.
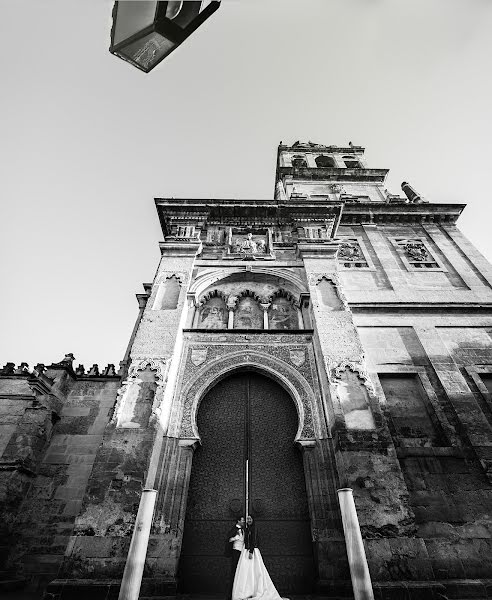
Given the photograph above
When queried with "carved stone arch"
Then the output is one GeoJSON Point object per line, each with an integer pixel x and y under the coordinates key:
{"type": "Point", "coordinates": [181, 277]}
{"type": "Point", "coordinates": [215, 293]}
{"type": "Point", "coordinates": [158, 300]}
{"type": "Point", "coordinates": [154, 365]}
{"type": "Point", "coordinates": [209, 277]}
{"type": "Point", "coordinates": [249, 294]}
{"type": "Point", "coordinates": [281, 293]}
{"type": "Point", "coordinates": [316, 278]}
{"type": "Point", "coordinates": [274, 368]}
{"type": "Point", "coordinates": [358, 369]}
{"type": "Point", "coordinates": [160, 368]}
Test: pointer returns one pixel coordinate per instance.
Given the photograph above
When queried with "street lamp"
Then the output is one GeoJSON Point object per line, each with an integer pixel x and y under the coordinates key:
{"type": "Point", "coordinates": [146, 31]}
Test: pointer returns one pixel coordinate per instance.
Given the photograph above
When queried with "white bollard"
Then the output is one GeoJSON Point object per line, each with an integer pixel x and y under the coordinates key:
{"type": "Point", "coordinates": [132, 576]}
{"type": "Point", "coordinates": [359, 571]}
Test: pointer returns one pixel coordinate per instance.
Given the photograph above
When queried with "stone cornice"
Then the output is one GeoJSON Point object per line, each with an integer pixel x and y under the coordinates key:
{"type": "Point", "coordinates": [267, 213]}
{"type": "Point", "coordinates": [332, 174]}
{"type": "Point", "coordinates": [240, 212]}
{"type": "Point", "coordinates": [383, 213]}
{"type": "Point", "coordinates": [310, 147]}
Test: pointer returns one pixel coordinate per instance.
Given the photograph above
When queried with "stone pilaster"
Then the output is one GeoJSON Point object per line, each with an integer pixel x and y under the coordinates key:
{"type": "Point", "coordinates": [365, 455]}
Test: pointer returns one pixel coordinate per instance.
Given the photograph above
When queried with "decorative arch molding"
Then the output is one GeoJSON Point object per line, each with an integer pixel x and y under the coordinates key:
{"type": "Point", "coordinates": [281, 293]}
{"type": "Point", "coordinates": [250, 294]}
{"type": "Point", "coordinates": [212, 294]}
{"type": "Point", "coordinates": [274, 368]}
{"type": "Point", "coordinates": [332, 277]}
{"type": "Point", "coordinates": [357, 368]}
{"type": "Point", "coordinates": [160, 368]}
{"type": "Point", "coordinates": [181, 277]}
{"type": "Point", "coordinates": [210, 276]}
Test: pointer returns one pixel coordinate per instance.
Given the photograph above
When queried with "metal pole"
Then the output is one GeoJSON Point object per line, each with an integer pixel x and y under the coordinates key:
{"type": "Point", "coordinates": [132, 576]}
{"type": "Point", "coordinates": [247, 489]}
{"type": "Point", "coordinates": [359, 571]}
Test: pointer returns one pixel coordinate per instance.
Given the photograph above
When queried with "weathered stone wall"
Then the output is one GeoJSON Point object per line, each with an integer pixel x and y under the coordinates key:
{"type": "Point", "coordinates": [47, 461]}
{"type": "Point", "coordinates": [444, 450]}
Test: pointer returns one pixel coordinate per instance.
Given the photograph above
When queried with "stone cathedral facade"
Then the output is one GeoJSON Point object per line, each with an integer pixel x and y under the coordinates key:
{"type": "Point", "coordinates": [334, 336]}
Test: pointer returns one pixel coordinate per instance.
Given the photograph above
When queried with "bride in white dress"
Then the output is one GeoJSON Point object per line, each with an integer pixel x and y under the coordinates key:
{"type": "Point", "coordinates": [252, 581]}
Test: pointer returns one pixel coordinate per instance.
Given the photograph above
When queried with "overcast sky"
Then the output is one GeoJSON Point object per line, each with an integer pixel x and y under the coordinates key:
{"type": "Point", "coordinates": [87, 141]}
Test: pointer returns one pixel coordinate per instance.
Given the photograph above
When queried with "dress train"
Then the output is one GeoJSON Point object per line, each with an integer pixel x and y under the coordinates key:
{"type": "Point", "coordinates": [252, 581]}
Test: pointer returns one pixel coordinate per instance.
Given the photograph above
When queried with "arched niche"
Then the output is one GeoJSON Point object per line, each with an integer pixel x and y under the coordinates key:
{"type": "Point", "coordinates": [328, 294]}
{"type": "Point", "coordinates": [248, 313]}
{"type": "Point", "coordinates": [213, 313]}
{"type": "Point", "coordinates": [167, 296]}
{"type": "Point", "coordinates": [323, 161]}
{"type": "Point", "coordinates": [283, 312]}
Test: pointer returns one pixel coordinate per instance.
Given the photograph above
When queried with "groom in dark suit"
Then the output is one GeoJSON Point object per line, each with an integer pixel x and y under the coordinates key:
{"type": "Point", "coordinates": [234, 545]}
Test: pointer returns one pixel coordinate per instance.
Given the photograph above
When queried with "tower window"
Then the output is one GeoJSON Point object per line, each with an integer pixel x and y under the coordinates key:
{"type": "Point", "coordinates": [351, 163]}
{"type": "Point", "coordinates": [299, 161]}
{"type": "Point", "coordinates": [325, 162]}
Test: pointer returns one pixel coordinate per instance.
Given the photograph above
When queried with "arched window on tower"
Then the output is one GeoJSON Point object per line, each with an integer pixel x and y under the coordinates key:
{"type": "Point", "coordinates": [299, 161]}
{"type": "Point", "coordinates": [351, 162]}
{"type": "Point", "coordinates": [326, 162]}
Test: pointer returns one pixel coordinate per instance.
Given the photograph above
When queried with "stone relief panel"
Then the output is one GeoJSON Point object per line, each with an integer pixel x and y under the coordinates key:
{"type": "Point", "coordinates": [213, 314]}
{"type": "Point", "coordinates": [244, 245]}
{"type": "Point", "coordinates": [287, 358]}
{"type": "Point", "coordinates": [248, 314]}
{"type": "Point", "coordinates": [282, 314]}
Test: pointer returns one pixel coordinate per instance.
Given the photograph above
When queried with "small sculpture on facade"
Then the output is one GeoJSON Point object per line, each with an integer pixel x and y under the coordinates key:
{"type": "Point", "coordinates": [67, 360]}
{"type": "Point", "coordinates": [249, 245]}
{"type": "Point", "coordinates": [416, 251]}
{"type": "Point", "coordinates": [349, 251]}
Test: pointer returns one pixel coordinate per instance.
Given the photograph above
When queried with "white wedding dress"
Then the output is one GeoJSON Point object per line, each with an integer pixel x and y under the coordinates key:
{"type": "Point", "coordinates": [252, 580]}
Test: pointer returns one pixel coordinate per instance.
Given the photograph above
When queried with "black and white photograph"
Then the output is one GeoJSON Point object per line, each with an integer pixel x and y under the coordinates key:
{"type": "Point", "coordinates": [246, 308]}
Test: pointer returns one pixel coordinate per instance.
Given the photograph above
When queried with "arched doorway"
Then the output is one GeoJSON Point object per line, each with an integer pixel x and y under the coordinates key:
{"type": "Point", "coordinates": [247, 415]}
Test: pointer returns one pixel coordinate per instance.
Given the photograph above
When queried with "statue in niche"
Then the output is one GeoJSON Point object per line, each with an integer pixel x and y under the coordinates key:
{"type": "Point", "coordinates": [282, 315]}
{"type": "Point", "coordinates": [248, 315]}
{"type": "Point", "coordinates": [213, 314]}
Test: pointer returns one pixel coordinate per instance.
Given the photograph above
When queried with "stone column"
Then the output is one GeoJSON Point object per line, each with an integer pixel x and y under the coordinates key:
{"type": "Point", "coordinates": [231, 307]}
{"type": "Point", "coordinates": [265, 306]}
{"type": "Point", "coordinates": [132, 576]}
{"type": "Point", "coordinates": [359, 571]}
